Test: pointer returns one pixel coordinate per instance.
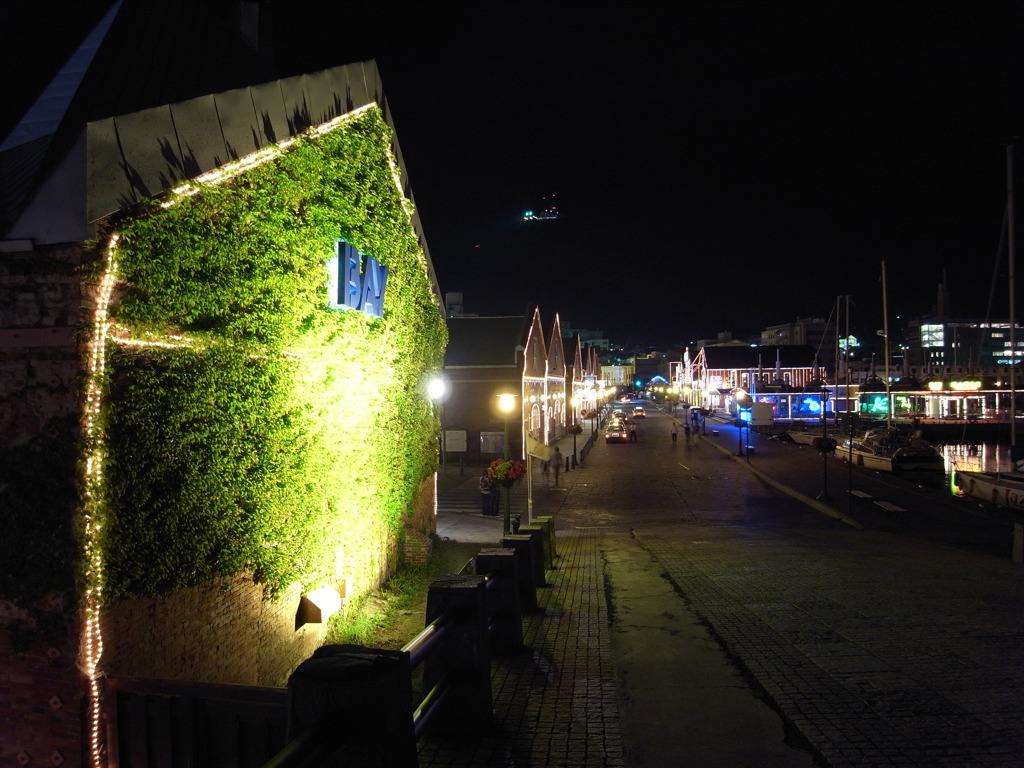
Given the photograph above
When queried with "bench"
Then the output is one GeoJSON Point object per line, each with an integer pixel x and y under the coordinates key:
{"type": "Point", "coordinates": [889, 508]}
{"type": "Point", "coordinates": [862, 497]}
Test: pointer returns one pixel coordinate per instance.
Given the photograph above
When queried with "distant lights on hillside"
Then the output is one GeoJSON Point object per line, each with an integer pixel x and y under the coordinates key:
{"type": "Point", "coordinates": [545, 215]}
{"type": "Point", "coordinates": [548, 213]}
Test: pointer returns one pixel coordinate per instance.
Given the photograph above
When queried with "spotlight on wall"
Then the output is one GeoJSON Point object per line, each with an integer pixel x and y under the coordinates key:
{"type": "Point", "coordinates": [318, 606]}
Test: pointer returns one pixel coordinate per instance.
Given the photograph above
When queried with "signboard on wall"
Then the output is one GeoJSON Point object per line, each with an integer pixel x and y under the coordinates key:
{"type": "Point", "coordinates": [455, 440]}
{"type": "Point", "coordinates": [492, 442]}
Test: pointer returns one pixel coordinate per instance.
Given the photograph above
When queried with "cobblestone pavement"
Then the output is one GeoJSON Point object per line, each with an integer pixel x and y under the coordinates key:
{"type": "Point", "coordinates": [890, 644]}
{"type": "Point", "coordinates": [556, 704]}
{"type": "Point", "coordinates": [877, 658]}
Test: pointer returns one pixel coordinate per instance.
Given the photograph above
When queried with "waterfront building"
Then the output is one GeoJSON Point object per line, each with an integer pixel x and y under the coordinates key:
{"type": "Point", "coordinates": [488, 356]}
{"type": "Point", "coordinates": [219, 320]}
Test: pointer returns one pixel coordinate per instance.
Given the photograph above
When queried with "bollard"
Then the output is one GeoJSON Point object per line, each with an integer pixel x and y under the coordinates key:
{"type": "Point", "coordinates": [539, 545]}
{"type": "Point", "coordinates": [462, 658]}
{"type": "Point", "coordinates": [548, 523]}
{"type": "Point", "coordinates": [523, 545]}
{"type": "Point", "coordinates": [501, 565]}
{"type": "Point", "coordinates": [358, 698]}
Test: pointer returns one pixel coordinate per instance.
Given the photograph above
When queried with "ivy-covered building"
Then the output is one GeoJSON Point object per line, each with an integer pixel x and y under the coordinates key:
{"type": "Point", "coordinates": [219, 317]}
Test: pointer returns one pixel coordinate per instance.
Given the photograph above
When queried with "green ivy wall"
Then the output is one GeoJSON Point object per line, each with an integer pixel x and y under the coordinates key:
{"type": "Point", "coordinates": [249, 428]}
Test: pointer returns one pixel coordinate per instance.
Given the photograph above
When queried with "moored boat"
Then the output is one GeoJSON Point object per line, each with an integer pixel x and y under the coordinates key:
{"type": "Point", "coordinates": [1005, 489]}
{"type": "Point", "coordinates": [892, 450]}
{"type": "Point", "coordinates": [803, 433]}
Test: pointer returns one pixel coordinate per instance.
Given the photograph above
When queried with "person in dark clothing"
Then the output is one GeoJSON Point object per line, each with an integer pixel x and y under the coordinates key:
{"type": "Point", "coordinates": [488, 495]}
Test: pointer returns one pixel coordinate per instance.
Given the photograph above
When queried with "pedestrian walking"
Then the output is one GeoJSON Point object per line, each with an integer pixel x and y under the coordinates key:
{"type": "Point", "coordinates": [556, 462]}
{"type": "Point", "coordinates": [687, 431]}
{"type": "Point", "coordinates": [632, 431]}
{"type": "Point", "coordinates": [675, 432]}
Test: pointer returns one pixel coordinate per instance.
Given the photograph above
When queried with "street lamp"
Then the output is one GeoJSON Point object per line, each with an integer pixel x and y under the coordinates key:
{"type": "Point", "coordinates": [437, 391]}
{"type": "Point", "coordinates": [575, 402]}
{"type": "Point", "coordinates": [742, 404]}
{"type": "Point", "coordinates": [506, 404]}
{"type": "Point", "coordinates": [824, 445]}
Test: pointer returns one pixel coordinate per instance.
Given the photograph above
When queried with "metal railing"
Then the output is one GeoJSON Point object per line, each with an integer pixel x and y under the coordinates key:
{"type": "Point", "coordinates": [419, 648]}
{"type": "Point", "coordinates": [314, 745]}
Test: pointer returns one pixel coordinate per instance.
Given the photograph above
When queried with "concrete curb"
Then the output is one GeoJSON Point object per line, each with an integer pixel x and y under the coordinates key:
{"type": "Point", "coordinates": [825, 509]}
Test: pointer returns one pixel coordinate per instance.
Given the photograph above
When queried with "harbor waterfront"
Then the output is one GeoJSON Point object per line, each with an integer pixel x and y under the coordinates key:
{"type": "Point", "coordinates": [968, 446]}
{"type": "Point", "coordinates": [976, 457]}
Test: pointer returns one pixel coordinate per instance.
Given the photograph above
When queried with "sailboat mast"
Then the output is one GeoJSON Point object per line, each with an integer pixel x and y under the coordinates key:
{"type": "Point", "coordinates": [1011, 258]}
{"type": "Point", "coordinates": [846, 361]}
{"type": "Point", "coordinates": [885, 348]}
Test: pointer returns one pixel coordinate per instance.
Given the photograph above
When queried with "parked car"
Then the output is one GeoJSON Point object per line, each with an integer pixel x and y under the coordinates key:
{"type": "Point", "coordinates": [616, 433]}
{"type": "Point", "coordinates": [639, 413]}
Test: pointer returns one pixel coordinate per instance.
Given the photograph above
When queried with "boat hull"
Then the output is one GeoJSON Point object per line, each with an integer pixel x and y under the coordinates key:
{"type": "Point", "coordinates": [802, 438]}
{"type": "Point", "coordinates": [888, 451]}
{"type": "Point", "coordinates": [1001, 489]}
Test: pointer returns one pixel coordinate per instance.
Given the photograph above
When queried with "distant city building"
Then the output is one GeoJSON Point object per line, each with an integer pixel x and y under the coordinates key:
{"type": "Point", "coordinates": [722, 339]}
{"type": "Point", "coordinates": [961, 343]}
{"type": "Point", "coordinates": [617, 375]}
{"type": "Point", "coordinates": [592, 338]}
{"type": "Point", "coordinates": [812, 331]}
{"type": "Point", "coordinates": [654, 364]}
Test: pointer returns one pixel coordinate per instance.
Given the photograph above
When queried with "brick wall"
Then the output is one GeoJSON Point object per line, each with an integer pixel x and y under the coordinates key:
{"type": "Point", "coordinates": [42, 696]}
{"type": "Point", "coordinates": [418, 544]}
{"type": "Point", "coordinates": [225, 633]}
{"type": "Point", "coordinates": [42, 691]}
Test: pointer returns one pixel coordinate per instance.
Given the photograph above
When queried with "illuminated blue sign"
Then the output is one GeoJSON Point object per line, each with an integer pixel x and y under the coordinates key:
{"type": "Point", "coordinates": [811, 404]}
{"type": "Point", "coordinates": [353, 285]}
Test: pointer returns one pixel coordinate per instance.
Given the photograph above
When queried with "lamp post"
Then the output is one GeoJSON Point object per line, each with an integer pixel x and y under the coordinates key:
{"type": "Point", "coordinates": [575, 402]}
{"type": "Point", "coordinates": [437, 389]}
{"type": "Point", "coordinates": [506, 404]}
{"type": "Point", "coordinates": [742, 399]}
{"type": "Point", "coordinates": [826, 445]}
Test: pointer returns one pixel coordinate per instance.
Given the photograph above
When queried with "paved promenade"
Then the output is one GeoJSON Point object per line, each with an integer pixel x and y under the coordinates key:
{"type": "Point", "coordinates": [707, 610]}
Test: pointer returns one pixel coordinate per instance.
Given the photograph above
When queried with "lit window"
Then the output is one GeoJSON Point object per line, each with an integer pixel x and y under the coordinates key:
{"type": "Point", "coordinates": [932, 336]}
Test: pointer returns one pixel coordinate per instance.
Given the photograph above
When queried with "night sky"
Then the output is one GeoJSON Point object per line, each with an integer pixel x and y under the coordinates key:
{"type": "Point", "coordinates": [718, 166]}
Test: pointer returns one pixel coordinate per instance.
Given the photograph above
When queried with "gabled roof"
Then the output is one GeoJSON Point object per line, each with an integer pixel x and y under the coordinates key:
{"type": "Point", "coordinates": [735, 357]}
{"type": "Point", "coordinates": [556, 351]}
{"type": "Point", "coordinates": [141, 55]}
{"type": "Point", "coordinates": [485, 341]}
{"type": "Point", "coordinates": [160, 91]}
{"type": "Point", "coordinates": [535, 356]}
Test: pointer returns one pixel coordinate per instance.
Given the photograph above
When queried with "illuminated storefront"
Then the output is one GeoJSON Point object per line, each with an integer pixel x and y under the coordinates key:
{"type": "Point", "coordinates": [938, 400]}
